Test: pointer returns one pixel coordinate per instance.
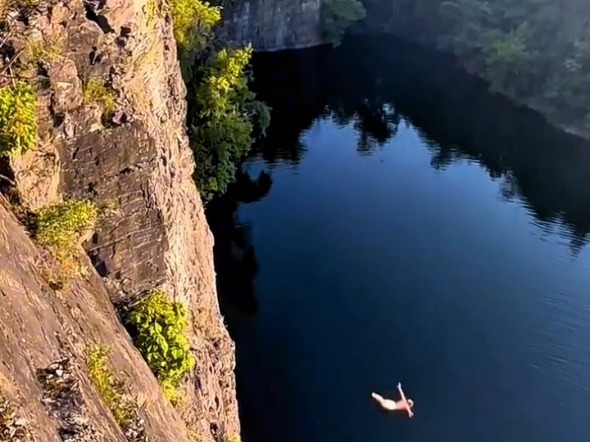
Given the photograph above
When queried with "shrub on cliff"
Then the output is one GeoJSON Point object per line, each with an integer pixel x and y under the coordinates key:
{"type": "Point", "coordinates": [223, 112]}
{"type": "Point", "coordinates": [111, 389]}
{"type": "Point", "coordinates": [18, 119]}
{"type": "Point", "coordinates": [223, 120]}
{"type": "Point", "coordinates": [161, 337]}
{"type": "Point", "coordinates": [193, 24]}
{"type": "Point", "coordinates": [61, 227]}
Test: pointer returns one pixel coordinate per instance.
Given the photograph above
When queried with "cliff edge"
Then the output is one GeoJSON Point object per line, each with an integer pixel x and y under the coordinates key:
{"type": "Point", "coordinates": [110, 114]}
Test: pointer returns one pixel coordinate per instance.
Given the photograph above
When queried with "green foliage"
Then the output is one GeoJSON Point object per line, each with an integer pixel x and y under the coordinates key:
{"type": "Point", "coordinates": [61, 226]}
{"type": "Point", "coordinates": [337, 16]}
{"type": "Point", "coordinates": [18, 119]}
{"type": "Point", "coordinates": [223, 120]}
{"type": "Point", "coordinates": [109, 388]}
{"type": "Point", "coordinates": [161, 337]}
{"type": "Point", "coordinates": [193, 22]}
{"type": "Point", "coordinates": [506, 58]}
{"type": "Point", "coordinates": [535, 51]}
{"type": "Point", "coordinates": [223, 111]}
{"type": "Point", "coordinates": [95, 91]}
{"type": "Point", "coordinates": [222, 144]}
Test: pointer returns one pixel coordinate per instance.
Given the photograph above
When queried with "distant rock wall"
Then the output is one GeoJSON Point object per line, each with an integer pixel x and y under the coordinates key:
{"type": "Point", "coordinates": [272, 25]}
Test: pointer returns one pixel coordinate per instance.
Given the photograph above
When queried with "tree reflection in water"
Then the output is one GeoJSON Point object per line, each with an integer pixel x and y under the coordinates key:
{"type": "Point", "coordinates": [376, 83]}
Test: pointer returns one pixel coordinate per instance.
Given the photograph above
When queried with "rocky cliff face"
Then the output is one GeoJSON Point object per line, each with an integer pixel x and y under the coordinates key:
{"type": "Point", "coordinates": [272, 25]}
{"type": "Point", "coordinates": [45, 332]}
{"type": "Point", "coordinates": [125, 148]}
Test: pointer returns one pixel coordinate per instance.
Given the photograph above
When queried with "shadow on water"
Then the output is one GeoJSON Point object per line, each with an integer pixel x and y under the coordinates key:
{"type": "Point", "coordinates": [378, 83]}
{"type": "Point", "coordinates": [235, 259]}
{"type": "Point", "coordinates": [236, 268]}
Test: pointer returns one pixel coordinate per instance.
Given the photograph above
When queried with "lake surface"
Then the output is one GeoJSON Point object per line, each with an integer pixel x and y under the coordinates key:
{"type": "Point", "coordinates": [409, 228]}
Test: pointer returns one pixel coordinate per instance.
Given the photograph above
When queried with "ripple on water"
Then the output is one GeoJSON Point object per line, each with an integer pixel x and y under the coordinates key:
{"type": "Point", "coordinates": [560, 342]}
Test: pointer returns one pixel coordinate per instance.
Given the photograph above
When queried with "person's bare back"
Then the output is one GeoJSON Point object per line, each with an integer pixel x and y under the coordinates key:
{"type": "Point", "coordinates": [391, 405]}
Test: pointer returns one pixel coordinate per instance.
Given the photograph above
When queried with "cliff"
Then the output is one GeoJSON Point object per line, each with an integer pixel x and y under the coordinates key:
{"type": "Point", "coordinates": [272, 25]}
{"type": "Point", "coordinates": [41, 330]}
{"type": "Point", "coordinates": [111, 115]}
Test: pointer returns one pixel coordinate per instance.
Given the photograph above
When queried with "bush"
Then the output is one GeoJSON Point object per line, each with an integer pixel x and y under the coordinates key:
{"type": "Point", "coordinates": [193, 22]}
{"type": "Point", "coordinates": [18, 119]}
{"type": "Point", "coordinates": [61, 226]}
{"type": "Point", "coordinates": [108, 387]}
{"type": "Point", "coordinates": [160, 335]}
{"type": "Point", "coordinates": [223, 117]}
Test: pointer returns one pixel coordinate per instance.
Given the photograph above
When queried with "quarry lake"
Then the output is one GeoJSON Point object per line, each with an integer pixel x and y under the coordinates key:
{"type": "Point", "coordinates": [407, 227]}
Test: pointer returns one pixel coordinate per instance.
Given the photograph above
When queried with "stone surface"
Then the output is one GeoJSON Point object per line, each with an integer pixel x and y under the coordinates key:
{"type": "Point", "coordinates": [152, 231]}
{"type": "Point", "coordinates": [271, 25]}
{"type": "Point", "coordinates": [39, 327]}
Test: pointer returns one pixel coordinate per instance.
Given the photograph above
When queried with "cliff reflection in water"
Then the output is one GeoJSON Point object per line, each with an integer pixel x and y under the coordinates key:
{"type": "Point", "coordinates": [377, 89]}
{"type": "Point", "coordinates": [235, 258]}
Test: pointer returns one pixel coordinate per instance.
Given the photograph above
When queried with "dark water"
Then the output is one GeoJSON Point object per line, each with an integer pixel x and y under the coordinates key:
{"type": "Point", "coordinates": [410, 228]}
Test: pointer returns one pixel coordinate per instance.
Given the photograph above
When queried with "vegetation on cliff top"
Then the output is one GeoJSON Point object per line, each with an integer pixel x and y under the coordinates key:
{"type": "Point", "coordinates": [223, 118]}
{"type": "Point", "coordinates": [160, 330]}
{"type": "Point", "coordinates": [194, 22]}
{"type": "Point", "coordinates": [522, 49]}
{"type": "Point", "coordinates": [223, 112]}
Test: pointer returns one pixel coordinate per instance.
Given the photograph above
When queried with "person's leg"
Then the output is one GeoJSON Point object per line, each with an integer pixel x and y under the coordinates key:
{"type": "Point", "coordinates": [388, 404]}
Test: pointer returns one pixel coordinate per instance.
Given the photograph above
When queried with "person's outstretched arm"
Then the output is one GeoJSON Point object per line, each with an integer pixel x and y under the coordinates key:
{"type": "Point", "coordinates": [401, 392]}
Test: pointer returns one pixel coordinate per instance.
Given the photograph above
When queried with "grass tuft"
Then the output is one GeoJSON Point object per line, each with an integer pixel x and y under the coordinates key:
{"type": "Point", "coordinates": [39, 52]}
{"type": "Point", "coordinates": [109, 388]}
{"type": "Point", "coordinates": [95, 91]}
{"type": "Point", "coordinates": [60, 227]}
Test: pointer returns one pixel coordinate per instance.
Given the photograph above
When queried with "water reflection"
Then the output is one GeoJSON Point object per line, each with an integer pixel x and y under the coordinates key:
{"type": "Point", "coordinates": [378, 89]}
{"type": "Point", "coordinates": [235, 258]}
